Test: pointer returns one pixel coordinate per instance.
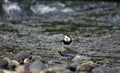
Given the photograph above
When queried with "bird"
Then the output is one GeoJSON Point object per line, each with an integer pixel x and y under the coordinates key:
{"type": "Point", "coordinates": [66, 51]}
{"type": "Point", "coordinates": [67, 40]}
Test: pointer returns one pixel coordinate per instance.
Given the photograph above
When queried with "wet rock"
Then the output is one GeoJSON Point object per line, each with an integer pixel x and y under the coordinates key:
{"type": "Point", "coordinates": [67, 52]}
{"type": "Point", "coordinates": [3, 64]}
{"type": "Point", "coordinates": [86, 66]}
{"type": "Point", "coordinates": [37, 66]}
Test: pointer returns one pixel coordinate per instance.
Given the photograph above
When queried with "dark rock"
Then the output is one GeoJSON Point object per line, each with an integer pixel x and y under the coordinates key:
{"type": "Point", "coordinates": [3, 64]}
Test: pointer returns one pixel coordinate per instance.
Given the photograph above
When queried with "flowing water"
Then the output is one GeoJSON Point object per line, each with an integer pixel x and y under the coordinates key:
{"type": "Point", "coordinates": [39, 26]}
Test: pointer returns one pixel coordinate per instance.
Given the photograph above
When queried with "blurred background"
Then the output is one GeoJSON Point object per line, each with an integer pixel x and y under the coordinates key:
{"type": "Point", "coordinates": [39, 26]}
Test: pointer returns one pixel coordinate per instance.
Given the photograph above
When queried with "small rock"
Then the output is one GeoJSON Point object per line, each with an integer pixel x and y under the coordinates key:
{"type": "Point", "coordinates": [3, 64]}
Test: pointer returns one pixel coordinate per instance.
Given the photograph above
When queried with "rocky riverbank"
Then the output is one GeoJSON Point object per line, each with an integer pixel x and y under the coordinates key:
{"type": "Point", "coordinates": [31, 36]}
{"type": "Point", "coordinates": [27, 62]}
